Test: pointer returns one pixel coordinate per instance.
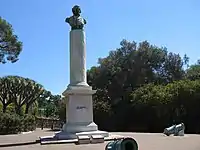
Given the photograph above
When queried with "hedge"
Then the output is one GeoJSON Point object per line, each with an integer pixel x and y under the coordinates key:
{"type": "Point", "coordinates": [13, 123]}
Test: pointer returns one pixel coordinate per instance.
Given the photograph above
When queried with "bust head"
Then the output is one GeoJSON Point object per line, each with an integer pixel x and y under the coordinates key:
{"type": "Point", "coordinates": [76, 10]}
{"type": "Point", "coordinates": [76, 21]}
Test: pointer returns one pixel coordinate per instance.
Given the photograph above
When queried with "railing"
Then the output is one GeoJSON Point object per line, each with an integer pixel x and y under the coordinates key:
{"type": "Point", "coordinates": [52, 123]}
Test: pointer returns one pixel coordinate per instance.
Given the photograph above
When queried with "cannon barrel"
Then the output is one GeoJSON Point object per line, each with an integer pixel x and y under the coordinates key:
{"type": "Point", "coordinates": [122, 144]}
{"type": "Point", "coordinates": [177, 130]}
{"type": "Point", "coordinates": [170, 130]}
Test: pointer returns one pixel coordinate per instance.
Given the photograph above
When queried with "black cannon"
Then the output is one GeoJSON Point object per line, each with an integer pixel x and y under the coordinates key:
{"type": "Point", "coordinates": [122, 144]}
{"type": "Point", "coordinates": [177, 130]}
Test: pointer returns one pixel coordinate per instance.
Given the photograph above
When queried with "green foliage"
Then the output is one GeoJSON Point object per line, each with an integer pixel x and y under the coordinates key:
{"type": "Point", "coordinates": [29, 123]}
{"type": "Point", "coordinates": [193, 72]}
{"type": "Point", "coordinates": [22, 92]}
{"type": "Point", "coordinates": [62, 113]}
{"type": "Point", "coordinates": [49, 105]}
{"type": "Point", "coordinates": [13, 123]}
{"type": "Point", "coordinates": [34, 109]}
{"type": "Point", "coordinates": [62, 109]}
{"type": "Point", "coordinates": [1, 107]}
{"type": "Point", "coordinates": [10, 47]}
{"type": "Point", "coordinates": [10, 123]}
{"type": "Point", "coordinates": [176, 102]}
{"type": "Point", "coordinates": [140, 87]}
{"type": "Point", "coordinates": [150, 94]}
{"type": "Point", "coordinates": [102, 113]}
{"type": "Point", "coordinates": [126, 69]}
{"type": "Point", "coordinates": [143, 87]}
{"type": "Point", "coordinates": [11, 108]}
{"type": "Point", "coordinates": [50, 110]}
{"type": "Point", "coordinates": [131, 66]}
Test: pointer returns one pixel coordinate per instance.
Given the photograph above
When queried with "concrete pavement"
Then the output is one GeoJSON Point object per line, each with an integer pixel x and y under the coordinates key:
{"type": "Point", "coordinates": [146, 141]}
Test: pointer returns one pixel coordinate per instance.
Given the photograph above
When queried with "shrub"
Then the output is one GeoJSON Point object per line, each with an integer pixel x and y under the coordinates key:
{"type": "Point", "coordinates": [160, 106]}
{"type": "Point", "coordinates": [11, 108]}
{"type": "Point", "coordinates": [29, 123]}
{"type": "Point", "coordinates": [13, 123]}
{"type": "Point", "coordinates": [1, 107]}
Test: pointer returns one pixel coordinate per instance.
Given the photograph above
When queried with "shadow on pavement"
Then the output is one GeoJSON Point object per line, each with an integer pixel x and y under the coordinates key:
{"type": "Point", "coordinates": [20, 144]}
{"type": "Point", "coordinates": [54, 130]}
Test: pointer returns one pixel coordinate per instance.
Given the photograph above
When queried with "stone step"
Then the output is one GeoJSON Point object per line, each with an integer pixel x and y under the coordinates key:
{"type": "Point", "coordinates": [97, 139]}
{"type": "Point", "coordinates": [83, 139]}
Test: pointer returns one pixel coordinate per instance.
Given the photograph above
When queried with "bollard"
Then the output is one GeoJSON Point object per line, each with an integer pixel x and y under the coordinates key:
{"type": "Point", "coordinates": [122, 144]}
{"type": "Point", "coordinates": [177, 130]}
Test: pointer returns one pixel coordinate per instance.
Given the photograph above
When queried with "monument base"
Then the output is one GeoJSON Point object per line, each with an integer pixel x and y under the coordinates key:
{"type": "Point", "coordinates": [79, 138]}
{"type": "Point", "coordinates": [79, 127]}
{"type": "Point", "coordinates": [70, 136]}
{"type": "Point", "coordinates": [79, 117]}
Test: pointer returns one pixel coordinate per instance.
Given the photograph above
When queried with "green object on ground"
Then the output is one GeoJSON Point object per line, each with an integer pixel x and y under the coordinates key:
{"type": "Point", "coordinates": [122, 144]}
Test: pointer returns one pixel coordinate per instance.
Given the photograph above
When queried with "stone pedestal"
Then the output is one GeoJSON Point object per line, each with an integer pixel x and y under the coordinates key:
{"type": "Point", "coordinates": [79, 109]}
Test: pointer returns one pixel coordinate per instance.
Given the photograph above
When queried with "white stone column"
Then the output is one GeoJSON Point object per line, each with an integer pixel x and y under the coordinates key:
{"type": "Point", "coordinates": [79, 106]}
{"type": "Point", "coordinates": [77, 58]}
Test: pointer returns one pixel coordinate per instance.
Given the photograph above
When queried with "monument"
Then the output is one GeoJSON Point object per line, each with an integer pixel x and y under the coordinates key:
{"type": "Point", "coordinates": [79, 117]}
{"type": "Point", "coordinates": [79, 124]}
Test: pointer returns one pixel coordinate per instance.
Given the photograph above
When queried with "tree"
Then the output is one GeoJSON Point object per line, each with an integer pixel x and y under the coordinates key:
{"type": "Point", "coordinates": [5, 92]}
{"type": "Point", "coordinates": [42, 101]}
{"type": "Point", "coordinates": [52, 106]}
{"type": "Point", "coordinates": [10, 46]}
{"type": "Point", "coordinates": [193, 72]}
{"type": "Point", "coordinates": [29, 97]}
{"type": "Point", "coordinates": [186, 60]}
{"type": "Point", "coordinates": [49, 104]}
{"type": "Point", "coordinates": [126, 69]}
{"type": "Point", "coordinates": [20, 91]}
{"type": "Point", "coordinates": [163, 105]}
{"type": "Point", "coordinates": [62, 109]}
{"type": "Point", "coordinates": [133, 65]}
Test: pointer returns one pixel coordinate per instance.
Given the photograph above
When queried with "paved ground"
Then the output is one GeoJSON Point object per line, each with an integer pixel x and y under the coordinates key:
{"type": "Point", "coordinates": [146, 141]}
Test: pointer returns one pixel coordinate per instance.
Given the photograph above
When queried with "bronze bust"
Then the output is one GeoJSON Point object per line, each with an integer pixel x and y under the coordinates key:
{"type": "Point", "coordinates": [76, 21]}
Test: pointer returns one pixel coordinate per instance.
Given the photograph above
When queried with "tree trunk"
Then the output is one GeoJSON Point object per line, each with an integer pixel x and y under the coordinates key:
{"type": "Point", "coordinates": [18, 110]}
{"type": "Point", "coordinates": [4, 108]}
{"type": "Point", "coordinates": [27, 109]}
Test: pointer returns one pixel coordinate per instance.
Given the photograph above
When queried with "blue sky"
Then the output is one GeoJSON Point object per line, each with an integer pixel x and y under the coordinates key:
{"type": "Point", "coordinates": [40, 25]}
